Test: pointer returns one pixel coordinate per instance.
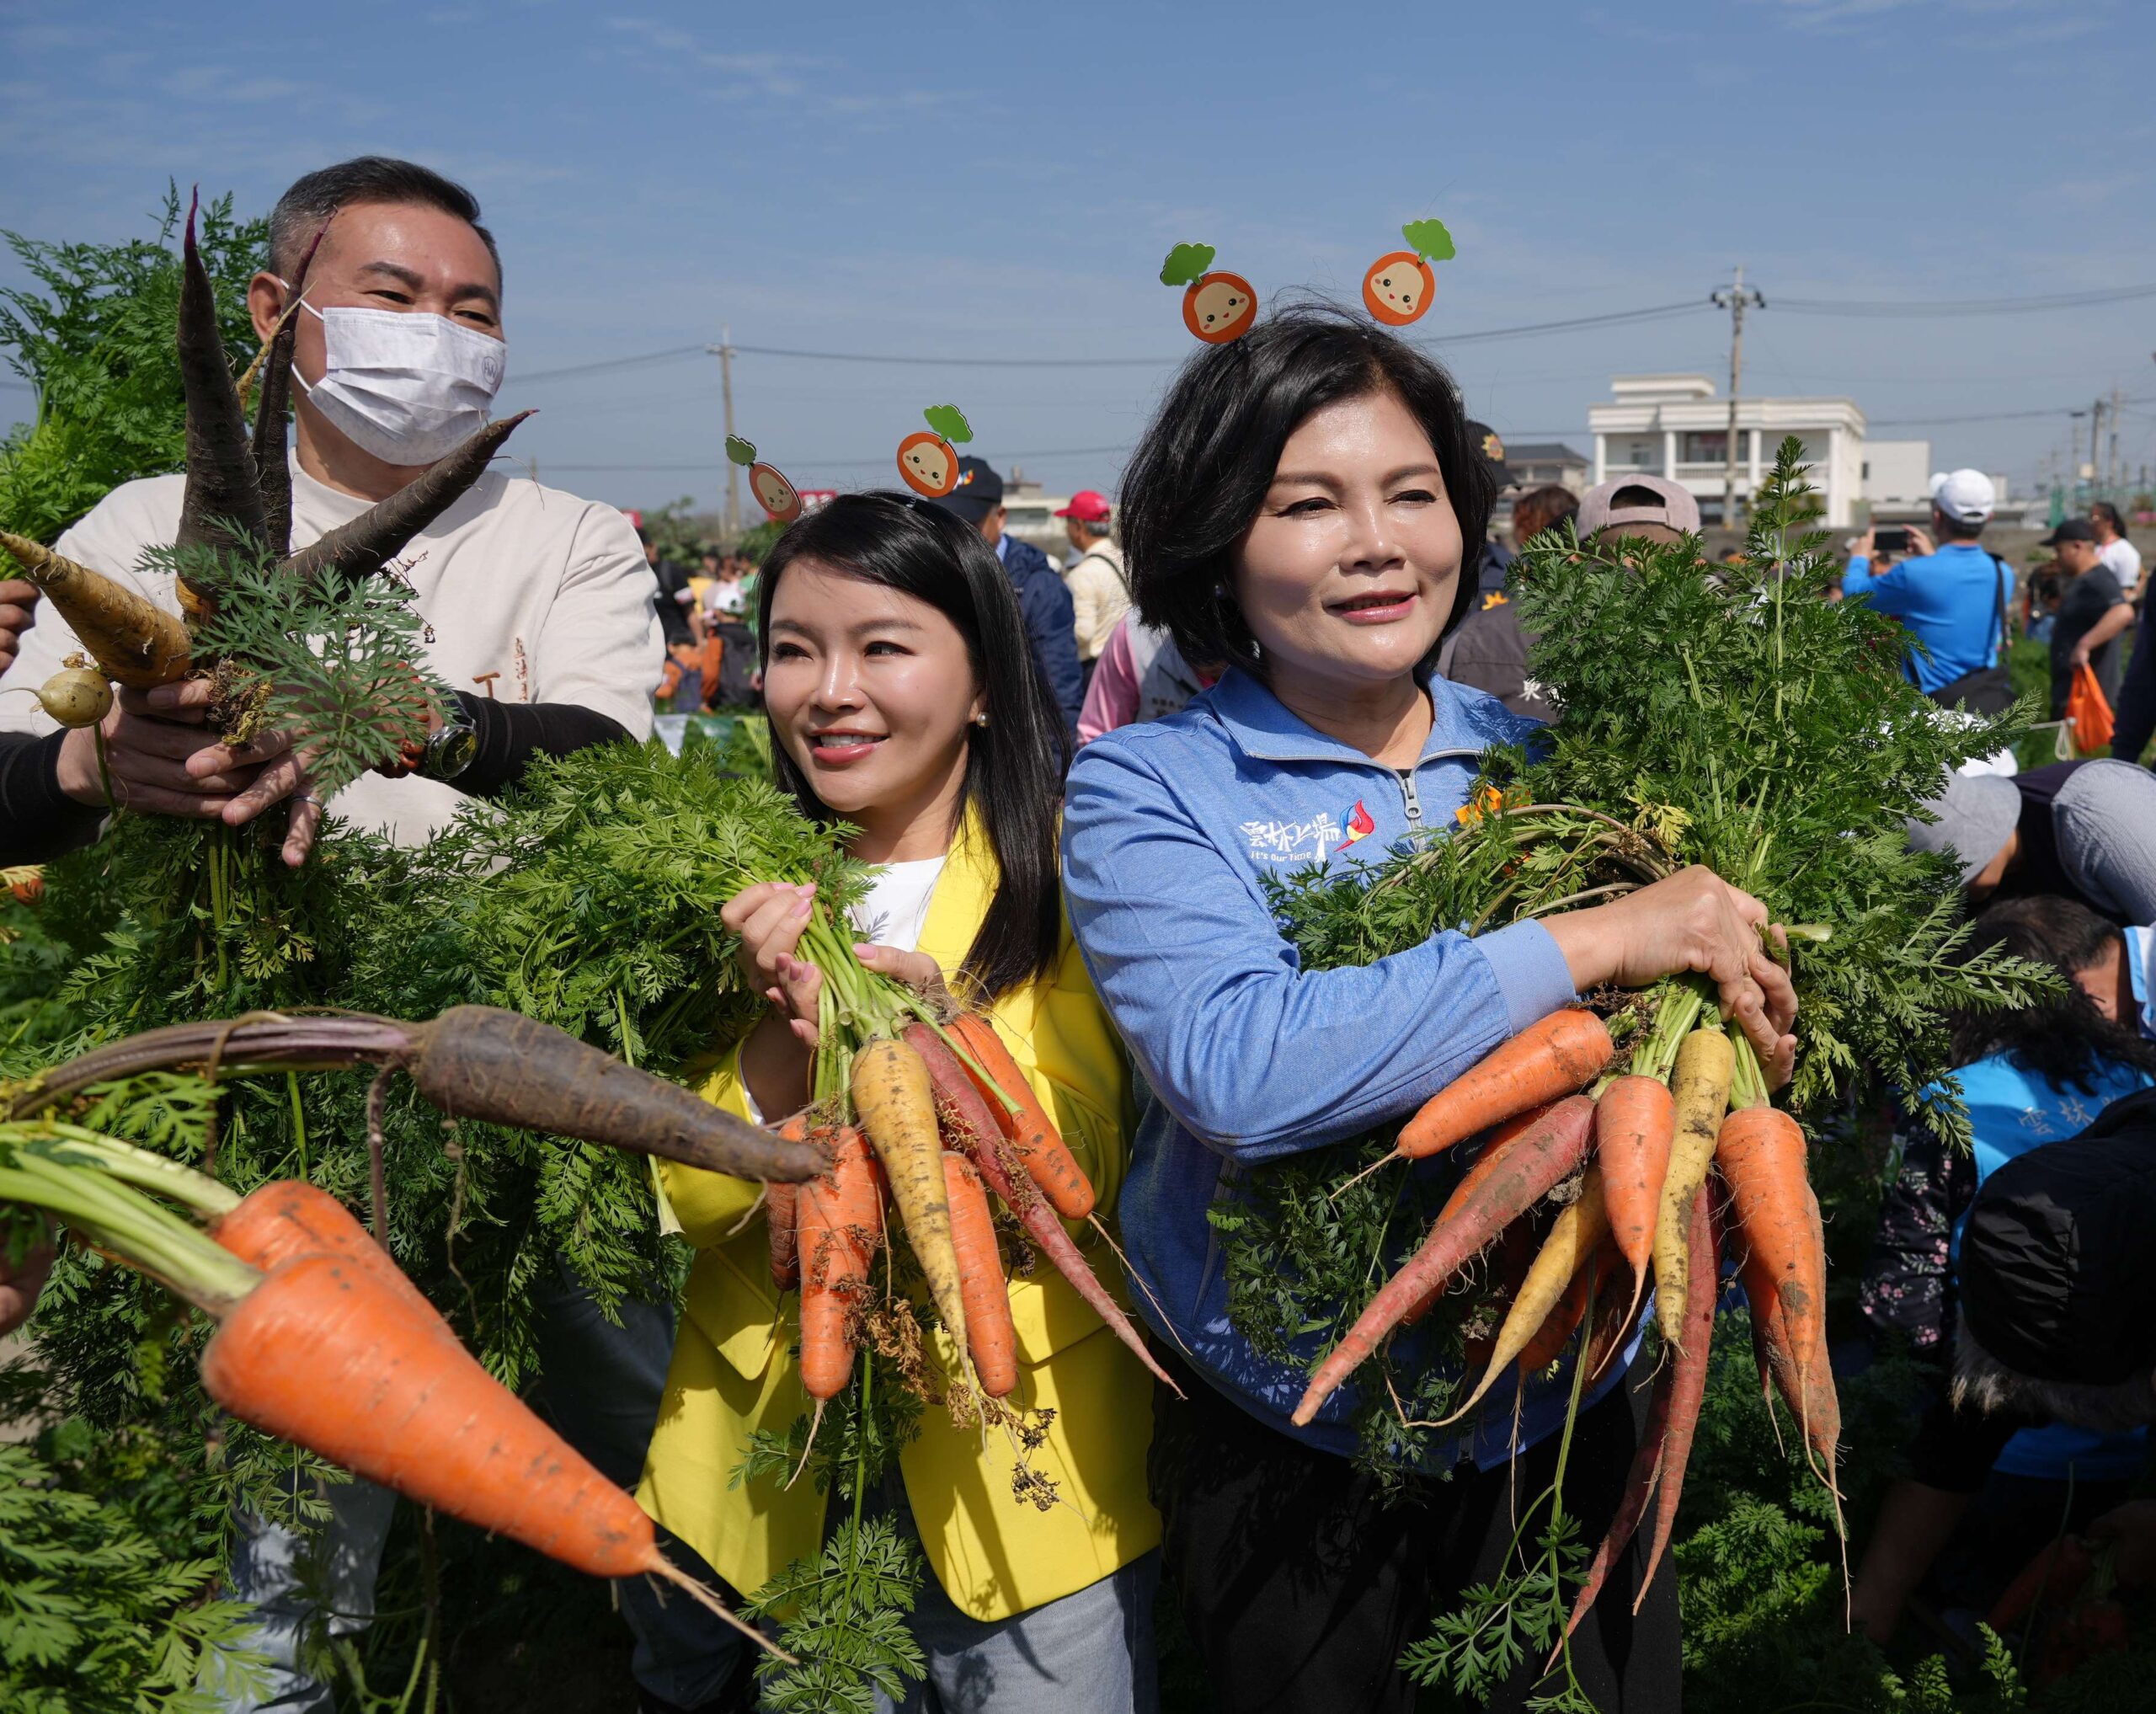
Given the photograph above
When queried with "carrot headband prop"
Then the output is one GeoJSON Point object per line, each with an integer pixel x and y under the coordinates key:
{"type": "Point", "coordinates": [1400, 285]}
{"type": "Point", "coordinates": [928, 458]}
{"type": "Point", "coordinates": [780, 499]}
{"type": "Point", "coordinates": [1218, 307]}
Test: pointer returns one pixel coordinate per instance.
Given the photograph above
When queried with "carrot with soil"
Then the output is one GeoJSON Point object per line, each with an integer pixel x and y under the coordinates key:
{"type": "Point", "coordinates": [973, 1129]}
{"type": "Point", "coordinates": [1699, 1085]}
{"type": "Point", "coordinates": [1635, 1123]}
{"type": "Point", "coordinates": [990, 1337]}
{"type": "Point", "coordinates": [1025, 1125]}
{"type": "Point", "coordinates": [840, 1221]}
{"type": "Point", "coordinates": [1502, 1185]}
{"type": "Point", "coordinates": [896, 1104]}
{"type": "Point", "coordinates": [1760, 1154]}
{"type": "Point", "coordinates": [1561, 1275]}
{"type": "Point", "coordinates": [1688, 1381]}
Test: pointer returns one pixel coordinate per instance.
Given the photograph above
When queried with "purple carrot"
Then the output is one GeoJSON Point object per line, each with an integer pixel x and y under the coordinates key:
{"type": "Point", "coordinates": [978, 1131]}
{"type": "Point", "coordinates": [223, 498]}
{"type": "Point", "coordinates": [273, 471]}
{"type": "Point", "coordinates": [361, 549]}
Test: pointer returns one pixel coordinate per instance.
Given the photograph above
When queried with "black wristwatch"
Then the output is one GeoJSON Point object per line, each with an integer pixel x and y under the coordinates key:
{"type": "Point", "coordinates": [451, 748]}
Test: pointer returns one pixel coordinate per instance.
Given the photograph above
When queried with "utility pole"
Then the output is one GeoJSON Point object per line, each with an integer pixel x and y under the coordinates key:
{"type": "Point", "coordinates": [1735, 300]}
{"type": "Point", "coordinates": [2095, 447]}
{"type": "Point", "coordinates": [2073, 453]}
{"type": "Point", "coordinates": [2111, 451]}
{"type": "Point", "coordinates": [724, 350]}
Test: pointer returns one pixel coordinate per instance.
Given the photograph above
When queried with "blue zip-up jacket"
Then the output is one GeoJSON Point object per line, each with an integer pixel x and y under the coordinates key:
{"type": "Point", "coordinates": [1953, 600]}
{"type": "Point", "coordinates": [1167, 830]}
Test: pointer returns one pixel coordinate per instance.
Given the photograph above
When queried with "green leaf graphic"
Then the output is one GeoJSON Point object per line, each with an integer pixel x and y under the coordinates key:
{"type": "Point", "coordinates": [1186, 263]}
{"type": "Point", "coordinates": [950, 422]}
{"type": "Point", "coordinates": [1430, 239]}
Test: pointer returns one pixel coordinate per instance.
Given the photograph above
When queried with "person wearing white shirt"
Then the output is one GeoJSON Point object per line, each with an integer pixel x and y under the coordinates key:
{"type": "Point", "coordinates": [540, 616]}
{"type": "Point", "coordinates": [2119, 555]}
{"type": "Point", "coordinates": [539, 610]}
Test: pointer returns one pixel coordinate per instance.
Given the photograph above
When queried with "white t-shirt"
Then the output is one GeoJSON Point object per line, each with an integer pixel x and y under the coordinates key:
{"type": "Point", "coordinates": [2124, 559]}
{"type": "Point", "coordinates": [896, 909]}
{"type": "Point", "coordinates": [548, 591]}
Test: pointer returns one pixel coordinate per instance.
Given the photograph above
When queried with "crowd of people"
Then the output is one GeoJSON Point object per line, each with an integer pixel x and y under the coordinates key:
{"type": "Point", "coordinates": [1075, 782]}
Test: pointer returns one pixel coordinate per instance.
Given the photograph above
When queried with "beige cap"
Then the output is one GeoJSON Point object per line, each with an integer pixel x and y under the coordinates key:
{"type": "Point", "coordinates": [1675, 508]}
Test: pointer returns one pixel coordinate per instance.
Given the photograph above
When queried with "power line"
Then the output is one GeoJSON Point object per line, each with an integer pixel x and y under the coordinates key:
{"type": "Point", "coordinates": [672, 353]}
{"type": "Point", "coordinates": [1989, 416]}
{"type": "Point", "coordinates": [1963, 306]}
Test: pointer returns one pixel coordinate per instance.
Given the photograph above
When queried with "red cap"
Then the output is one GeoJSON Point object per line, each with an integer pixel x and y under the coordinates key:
{"type": "Point", "coordinates": [1087, 506]}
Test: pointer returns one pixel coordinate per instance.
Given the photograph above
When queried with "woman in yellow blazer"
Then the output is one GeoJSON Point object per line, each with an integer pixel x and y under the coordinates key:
{"type": "Point", "coordinates": [903, 700]}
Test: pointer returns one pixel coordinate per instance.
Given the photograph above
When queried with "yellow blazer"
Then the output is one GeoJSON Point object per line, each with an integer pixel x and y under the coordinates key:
{"type": "Point", "coordinates": [735, 1371]}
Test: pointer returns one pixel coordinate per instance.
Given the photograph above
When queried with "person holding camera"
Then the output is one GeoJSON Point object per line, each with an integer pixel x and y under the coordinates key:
{"type": "Point", "coordinates": [1951, 597]}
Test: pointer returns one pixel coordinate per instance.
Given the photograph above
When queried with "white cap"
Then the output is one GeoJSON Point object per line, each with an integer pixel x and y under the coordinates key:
{"type": "Point", "coordinates": [1966, 496]}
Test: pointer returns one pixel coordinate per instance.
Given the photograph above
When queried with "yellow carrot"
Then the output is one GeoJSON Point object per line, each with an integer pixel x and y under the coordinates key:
{"type": "Point", "coordinates": [1573, 1237]}
{"type": "Point", "coordinates": [1700, 1085]}
{"type": "Point", "coordinates": [896, 1103]}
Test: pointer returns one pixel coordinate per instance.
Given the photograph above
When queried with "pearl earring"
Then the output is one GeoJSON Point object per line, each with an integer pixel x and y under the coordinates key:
{"type": "Point", "coordinates": [980, 719]}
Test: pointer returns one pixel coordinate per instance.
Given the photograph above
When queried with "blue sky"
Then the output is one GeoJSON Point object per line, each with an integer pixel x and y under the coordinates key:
{"type": "Point", "coordinates": [1003, 181]}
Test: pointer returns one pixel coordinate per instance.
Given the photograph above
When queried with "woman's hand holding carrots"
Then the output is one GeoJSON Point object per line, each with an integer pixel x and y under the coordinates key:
{"type": "Point", "coordinates": [1693, 921]}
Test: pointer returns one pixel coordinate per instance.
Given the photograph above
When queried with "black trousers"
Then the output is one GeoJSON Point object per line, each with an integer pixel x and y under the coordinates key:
{"type": "Point", "coordinates": [1301, 1587]}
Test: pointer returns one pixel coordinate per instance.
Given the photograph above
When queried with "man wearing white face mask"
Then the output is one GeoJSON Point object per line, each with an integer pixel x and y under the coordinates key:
{"type": "Point", "coordinates": [538, 604]}
{"type": "Point", "coordinates": [399, 356]}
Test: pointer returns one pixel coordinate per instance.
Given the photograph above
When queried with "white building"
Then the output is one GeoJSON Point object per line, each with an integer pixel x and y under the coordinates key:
{"type": "Point", "coordinates": [1677, 426]}
{"type": "Point", "coordinates": [1897, 484]}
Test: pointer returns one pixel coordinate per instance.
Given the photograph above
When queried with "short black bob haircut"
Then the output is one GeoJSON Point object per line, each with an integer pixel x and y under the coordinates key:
{"type": "Point", "coordinates": [314, 197]}
{"type": "Point", "coordinates": [1014, 765]}
{"type": "Point", "coordinates": [1198, 478]}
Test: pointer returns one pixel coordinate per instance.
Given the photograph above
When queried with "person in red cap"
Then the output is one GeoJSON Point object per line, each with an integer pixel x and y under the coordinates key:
{"type": "Point", "coordinates": [1100, 589]}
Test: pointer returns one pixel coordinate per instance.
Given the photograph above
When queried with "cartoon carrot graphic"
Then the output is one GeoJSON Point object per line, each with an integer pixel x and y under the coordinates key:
{"type": "Point", "coordinates": [928, 459]}
{"type": "Point", "coordinates": [1218, 307]}
{"type": "Point", "coordinates": [1400, 285]}
{"type": "Point", "coordinates": [773, 492]}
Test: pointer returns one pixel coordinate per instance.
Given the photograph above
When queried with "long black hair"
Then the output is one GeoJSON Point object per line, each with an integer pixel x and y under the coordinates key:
{"type": "Point", "coordinates": [2062, 1041]}
{"type": "Point", "coordinates": [1198, 478]}
{"type": "Point", "coordinates": [1015, 764]}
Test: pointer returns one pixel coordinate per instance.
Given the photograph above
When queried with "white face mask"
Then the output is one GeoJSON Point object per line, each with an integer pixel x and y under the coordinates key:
{"type": "Point", "coordinates": [403, 385]}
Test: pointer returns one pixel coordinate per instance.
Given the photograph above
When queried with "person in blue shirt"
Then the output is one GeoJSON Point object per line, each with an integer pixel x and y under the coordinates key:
{"type": "Point", "coordinates": [1952, 597]}
{"type": "Point", "coordinates": [1304, 508]}
{"type": "Point", "coordinates": [2030, 1078]}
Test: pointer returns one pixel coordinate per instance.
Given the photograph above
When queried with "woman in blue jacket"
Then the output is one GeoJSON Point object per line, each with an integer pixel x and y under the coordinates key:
{"type": "Point", "coordinates": [1299, 509]}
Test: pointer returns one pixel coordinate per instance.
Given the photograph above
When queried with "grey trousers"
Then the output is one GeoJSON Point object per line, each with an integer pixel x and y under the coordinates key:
{"type": "Point", "coordinates": [602, 1387]}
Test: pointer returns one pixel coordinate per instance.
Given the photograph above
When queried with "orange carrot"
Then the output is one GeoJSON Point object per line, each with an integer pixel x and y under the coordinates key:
{"type": "Point", "coordinates": [1761, 1154]}
{"type": "Point", "coordinates": [840, 1221]}
{"type": "Point", "coordinates": [1613, 1323]}
{"type": "Point", "coordinates": [781, 1212]}
{"type": "Point", "coordinates": [1494, 1142]}
{"type": "Point", "coordinates": [1495, 1192]}
{"type": "Point", "coordinates": [1634, 1122]}
{"type": "Point", "coordinates": [1688, 1382]}
{"type": "Point", "coordinates": [289, 1218]}
{"type": "Point", "coordinates": [973, 1129]}
{"type": "Point", "coordinates": [990, 1336]}
{"type": "Point", "coordinates": [1545, 1061]}
{"type": "Point", "coordinates": [1515, 1254]}
{"type": "Point", "coordinates": [1024, 1125]}
{"type": "Point", "coordinates": [1553, 1297]}
{"type": "Point", "coordinates": [324, 1354]}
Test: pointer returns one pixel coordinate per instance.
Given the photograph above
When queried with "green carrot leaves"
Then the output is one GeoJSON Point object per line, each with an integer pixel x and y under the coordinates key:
{"type": "Point", "coordinates": [739, 450]}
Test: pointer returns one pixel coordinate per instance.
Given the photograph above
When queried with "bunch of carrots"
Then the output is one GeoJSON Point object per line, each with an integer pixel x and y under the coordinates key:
{"type": "Point", "coordinates": [324, 1343]}
{"type": "Point", "coordinates": [927, 1115]}
{"type": "Point", "coordinates": [1661, 1167]}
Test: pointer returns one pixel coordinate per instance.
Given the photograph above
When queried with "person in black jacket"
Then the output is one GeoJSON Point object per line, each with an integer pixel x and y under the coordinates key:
{"type": "Point", "coordinates": [2136, 709]}
{"type": "Point", "coordinates": [1044, 598]}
